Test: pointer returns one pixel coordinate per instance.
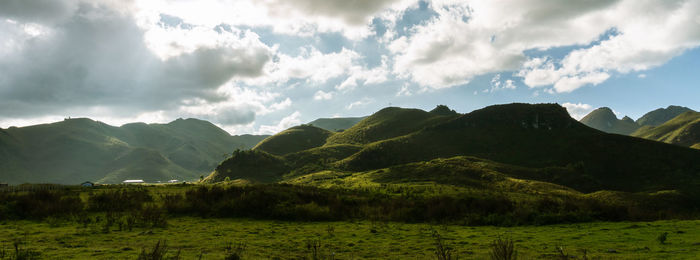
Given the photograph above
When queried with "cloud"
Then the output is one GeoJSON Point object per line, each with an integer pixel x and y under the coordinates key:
{"type": "Point", "coordinates": [321, 95]}
{"type": "Point", "coordinates": [294, 17]}
{"type": "Point", "coordinates": [498, 84]}
{"type": "Point", "coordinates": [286, 122]}
{"type": "Point", "coordinates": [577, 110]}
{"type": "Point", "coordinates": [643, 40]}
{"type": "Point", "coordinates": [43, 11]}
{"type": "Point", "coordinates": [362, 102]}
{"type": "Point", "coordinates": [404, 91]}
{"type": "Point", "coordinates": [351, 12]}
{"type": "Point", "coordinates": [471, 38]}
{"type": "Point", "coordinates": [364, 76]}
{"type": "Point", "coordinates": [312, 65]}
{"type": "Point", "coordinates": [98, 60]}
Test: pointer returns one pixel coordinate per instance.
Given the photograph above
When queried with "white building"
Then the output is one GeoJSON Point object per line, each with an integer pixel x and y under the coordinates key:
{"type": "Point", "coordinates": [133, 181]}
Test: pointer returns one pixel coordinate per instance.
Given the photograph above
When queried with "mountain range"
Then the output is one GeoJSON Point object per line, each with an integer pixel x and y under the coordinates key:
{"type": "Point", "coordinates": [539, 148]}
{"type": "Point", "coordinates": [80, 149]}
{"type": "Point", "coordinates": [673, 124]}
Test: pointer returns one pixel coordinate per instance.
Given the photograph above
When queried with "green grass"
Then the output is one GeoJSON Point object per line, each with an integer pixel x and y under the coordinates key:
{"type": "Point", "coordinates": [355, 240]}
{"type": "Point", "coordinates": [681, 130]}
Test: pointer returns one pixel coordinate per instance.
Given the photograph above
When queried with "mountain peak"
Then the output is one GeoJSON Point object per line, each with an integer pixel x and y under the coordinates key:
{"type": "Point", "coordinates": [443, 110]}
{"type": "Point", "coordinates": [661, 115]}
{"type": "Point", "coordinates": [604, 119]}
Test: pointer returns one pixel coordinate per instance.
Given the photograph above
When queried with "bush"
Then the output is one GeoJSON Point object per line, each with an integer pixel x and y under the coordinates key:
{"type": "Point", "coordinates": [159, 251]}
{"type": "Point", "coordinates": [503, 249]}
{"type": "Point", "coordinates": [39, 204]}
{"type": "Point", "coordinates": [123, 199]}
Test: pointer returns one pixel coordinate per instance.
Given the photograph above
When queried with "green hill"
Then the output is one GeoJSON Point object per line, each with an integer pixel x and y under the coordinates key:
{"type": "Point", "coordinates": [250, 165]}
{"type": "Point", "coordinates": [682, 130]}
{"type": "Point", "coordinates": [539, 143]}
{"type": "Point", "coordinates": [336, 124]}
{"type": "Point", "coordinates": [541, 136]}
{"type": "Point", "coordinates": [294, 139]}
{"type": "Point", "coordinates": [77, 150]}
{"type": "Point", "coordinates": [605, 120]}
{"type": "Point", "coordinates": [388, 123]}
{"type": "Point", "coordinates": [661, 115]}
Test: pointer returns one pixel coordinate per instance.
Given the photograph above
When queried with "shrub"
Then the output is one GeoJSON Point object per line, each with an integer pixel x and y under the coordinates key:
{"type": "Point", "coordinates": [159, 251]}
{"type": "Point", "coordinates": [234, 252]}
{"type": "Point", "coordinates": [119, 200]}
{"type": "Point", "coordinates": [442, 251]}
{"type": "Point", "coordinates": [662, 237]}
{"type": "Point", "coordinates": [503, 249]}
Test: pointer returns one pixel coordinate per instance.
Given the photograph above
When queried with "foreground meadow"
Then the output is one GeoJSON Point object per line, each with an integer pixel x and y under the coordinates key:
{"type": "Point", "coordinates": [213, 238]}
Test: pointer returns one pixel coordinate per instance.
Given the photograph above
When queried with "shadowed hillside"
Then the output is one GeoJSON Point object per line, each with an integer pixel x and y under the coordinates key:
{"type": "Point", "coordinates": [77, 150]}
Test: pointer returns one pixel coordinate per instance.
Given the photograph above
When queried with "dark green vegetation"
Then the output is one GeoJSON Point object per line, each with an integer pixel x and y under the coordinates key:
{"type": "Point", "coordinates": [78, 150]}
{"type": "Point", "coordinates": [215, 221]}
{"type": "Point", "coordinates": [683, 130]}
{"type": "Point", "coordinates": [605, 120]}
{"type": "Point", "coordinates": [336, 124]}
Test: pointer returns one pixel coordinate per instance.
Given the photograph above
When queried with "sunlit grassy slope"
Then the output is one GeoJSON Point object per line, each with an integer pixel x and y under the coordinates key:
{"type": "Point", "coordinates": [661, 115]}
{"type": "Point", "coordinates": [77, 150]}
{"type": "Point", "coordinates": [683, 130]}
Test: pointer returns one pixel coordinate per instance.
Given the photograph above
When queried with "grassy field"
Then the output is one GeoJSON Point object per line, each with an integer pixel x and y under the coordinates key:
{"type": "Point", "coordinates": [210, 238]}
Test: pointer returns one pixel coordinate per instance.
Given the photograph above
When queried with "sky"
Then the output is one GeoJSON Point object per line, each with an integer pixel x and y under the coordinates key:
{"type": "Point", "coordinates": [261, 66]}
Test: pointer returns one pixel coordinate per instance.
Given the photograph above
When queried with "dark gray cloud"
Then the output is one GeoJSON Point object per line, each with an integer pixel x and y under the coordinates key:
{"type": "Point", "coordinates": [353, 12]}
{"type": "Point", "coordinates": [98, 58]}
{"type": "Point", "coordinates": [41, 11]}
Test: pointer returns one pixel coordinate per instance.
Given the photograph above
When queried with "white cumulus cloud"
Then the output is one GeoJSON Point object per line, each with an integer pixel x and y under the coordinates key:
{"type": "Point", "coordinates": [577, 110]}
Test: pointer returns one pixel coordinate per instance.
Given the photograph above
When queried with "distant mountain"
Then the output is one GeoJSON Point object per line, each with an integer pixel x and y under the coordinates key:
{"type": "Point", "coordinates": [77, 150]}
{"type": "Point", "coordinates": [605, 120]}
{"type": "Point", "coordinates": [683, 130]}
{"type": "Point", "coordinates": [539, 143]}
{"type": "Point", "coordinates": [336, 124]}
{"type": "Point", "coordinates": [661, 115]}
